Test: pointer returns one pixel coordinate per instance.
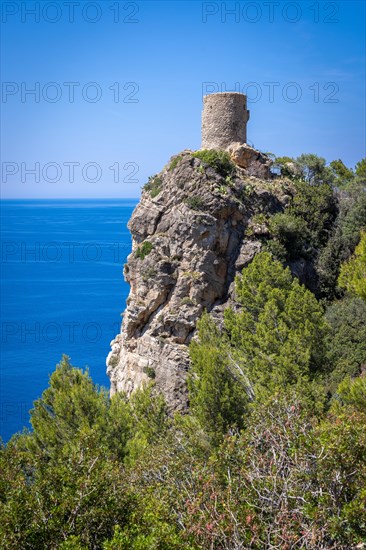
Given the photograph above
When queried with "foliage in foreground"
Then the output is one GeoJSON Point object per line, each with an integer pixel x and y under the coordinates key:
{"type": "Point", "coordinates": [273, 451]}
{"type": "Point", "coordinates": [288, 480]}
{"type": "Point", "coordinates": [260, 462]}
{"type": "Point", "coordinates": [343, 239]}
{"type": "Point", "coordinates": [352, 275]}
{"type": "Point", "coordinates": [64, 478]}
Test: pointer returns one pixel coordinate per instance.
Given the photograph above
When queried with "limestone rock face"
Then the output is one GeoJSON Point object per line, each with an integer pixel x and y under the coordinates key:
{"type": "Point", "coordinates": [193, 231]}
{"type": "Point", "coordinates": [254, 162]}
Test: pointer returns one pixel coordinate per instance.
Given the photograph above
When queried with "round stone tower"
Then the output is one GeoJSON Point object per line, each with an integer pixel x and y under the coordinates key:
{"type": "Point", "coordinates": [224, 120]}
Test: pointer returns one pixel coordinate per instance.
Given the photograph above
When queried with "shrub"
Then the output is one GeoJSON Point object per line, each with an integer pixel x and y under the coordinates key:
{"type": "Point", "coordinates": [313, 169]}
{"type": "Point", "coordinates": [187, 301]}
{"type": "Point", "coordinates": [143, 250]}
{"type": "Point", "coordinates": [150, 372]}
{"type": "Point", "coordinates": [175, 163]}
{"type": "Point", "coordinates": [353, 273]}
{"type": "Point", "coordinates": [153, 185]}
{"type": "Point", "coordinates": [277, 250]}
{"type": "Point", "coordinates": [345, 237]}
{"type": "Point", "coordinates": [195, 203]}
{"type": "Point", "coordinates": [286, 166]}
{"type": "Point", "coordinates": [218, 160]}
{"type": "Point", "coordinates": [317, 206]}
{"type": "Point", "coordinates": [361, 168]}
{"type": "Point", "coordinates": [341, 174]}
{"type": "Point", "coordinates": [273, 340]}
{"type": "Point", "coordinates": [346, 341]}
{"type": "Point", "coordinates": [290, 232]}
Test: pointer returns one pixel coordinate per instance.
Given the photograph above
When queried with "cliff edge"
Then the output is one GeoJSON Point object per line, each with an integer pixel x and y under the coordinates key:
{"type": "Point", "coordinates": [198, 223]}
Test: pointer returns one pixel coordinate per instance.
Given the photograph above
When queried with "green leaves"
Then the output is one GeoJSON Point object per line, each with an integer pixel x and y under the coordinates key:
{"type": "Point", "coordinates": [352, 275]}
{"type": "Point", "coordinates": [346, 340]}
{"type": "Point", "coordinates": [345, 237]}
{"type": "Point", "coordinates": [71, 405]}
{"type": "Point", "coordinates": [154, 186]}
{"type": "Point", "coordinates": [219, 160]}
{"type": "Point", "coordinates": [65, 482]}
{"type": "Point", "coordinates": [143, 250]}
{"type": "Point", "coordinates": [313, 168]}
{"type": "Point", "coordinates": [306, 224]}
{"type": "Point", "coordinates": [352, 393]}
{"type": "Point", "coordinates": [316, 205]}
{"type": "Point", "coordinates": [361, 168]}
{"type": "Point", "coordinates": [264, 278]}
{"type": "Point", "coordinates": [341, 477]}
{"type": "Point", "coordinates": [341, 174]}
{"type": "Point", "coordinates": [217, 393]}
{"type": "Point", "coordinates": [272, 341]}
{"type": "Point", "coordinates": [279, 329]}
{"type": "Point", "coordinates": [291, 232]}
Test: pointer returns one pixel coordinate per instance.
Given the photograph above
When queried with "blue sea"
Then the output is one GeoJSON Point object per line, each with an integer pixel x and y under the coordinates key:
{"type": "Point", "coordinates": [62, 292]}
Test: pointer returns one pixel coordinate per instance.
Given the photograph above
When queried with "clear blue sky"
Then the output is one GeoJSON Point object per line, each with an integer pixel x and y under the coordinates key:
{"type": "Point", "coordinates": [305, 50]}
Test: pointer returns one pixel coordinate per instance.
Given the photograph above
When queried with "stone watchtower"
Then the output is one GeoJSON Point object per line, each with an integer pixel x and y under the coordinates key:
{"type": "Point", "coordinates": [224, 120]}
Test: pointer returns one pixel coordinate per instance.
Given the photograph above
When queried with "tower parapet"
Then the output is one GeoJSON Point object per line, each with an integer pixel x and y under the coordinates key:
{"type": "Point", "coordinates": [224, 120]}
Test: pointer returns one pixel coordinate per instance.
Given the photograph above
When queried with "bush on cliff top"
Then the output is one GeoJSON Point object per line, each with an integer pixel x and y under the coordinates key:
{"type": "Point", "coordinates": [218, 160]}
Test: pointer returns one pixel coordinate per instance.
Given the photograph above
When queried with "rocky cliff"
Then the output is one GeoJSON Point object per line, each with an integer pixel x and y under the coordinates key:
{"type": "Point", "coordinates": [198, 223]}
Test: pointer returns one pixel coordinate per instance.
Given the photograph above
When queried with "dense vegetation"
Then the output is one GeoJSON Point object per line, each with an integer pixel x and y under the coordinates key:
{"type": "Point", "coordinates": [272, 453]}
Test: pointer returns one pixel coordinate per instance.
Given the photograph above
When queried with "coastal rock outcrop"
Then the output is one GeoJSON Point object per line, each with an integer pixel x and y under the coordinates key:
{"type": "Point", "coordinates": [197, 225]}
{"type": "Point", "coordinates": [254, 162]}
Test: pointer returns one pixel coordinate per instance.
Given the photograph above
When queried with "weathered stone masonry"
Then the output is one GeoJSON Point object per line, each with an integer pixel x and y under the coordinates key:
{"type": "Point", "coordinates": [224, 120]}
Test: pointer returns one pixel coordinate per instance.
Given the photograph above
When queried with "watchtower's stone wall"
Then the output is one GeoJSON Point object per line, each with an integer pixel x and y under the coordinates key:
{"type": "Point", "coordinates": [224, 120]}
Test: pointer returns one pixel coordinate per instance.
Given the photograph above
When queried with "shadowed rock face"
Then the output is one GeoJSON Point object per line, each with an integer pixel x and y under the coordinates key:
{"type": "Point", "coordinates": [189, 235]}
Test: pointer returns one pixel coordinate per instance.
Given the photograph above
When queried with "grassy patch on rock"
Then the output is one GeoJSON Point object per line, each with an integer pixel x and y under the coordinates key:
{"type": "Point", "coordinates": [218, 160]}
{"type": "Point", "coordinates": [154, 185]}
{"type": "Point", "coordinates": [143, 250]}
